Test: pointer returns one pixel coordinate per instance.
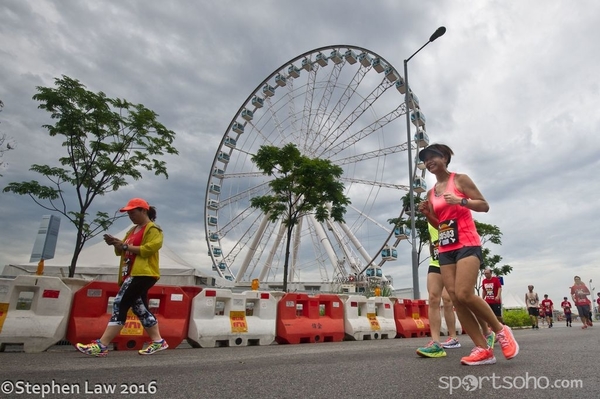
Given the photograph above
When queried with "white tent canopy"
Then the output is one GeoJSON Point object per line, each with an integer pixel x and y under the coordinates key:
{"type": "Point", "coordinates": [99, 262]}
{"type": "Point", "coordinates": [512, 301]}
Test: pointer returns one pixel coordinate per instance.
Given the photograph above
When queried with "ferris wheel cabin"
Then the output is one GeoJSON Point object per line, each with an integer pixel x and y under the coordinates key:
{"type": "Point", "coordinates": [418, 118]}
{"type": "Point", "coordinates": [378, 65]}
{"type": "Point", "coordinates": [213, 237]}
{"type": "Point", "coordinates": [216, 251]}
{"type": "Point", "coordinates": [401, 232]}
{"type": "Point", "coordinates": [419, 184]}
{"type": "Point", "coordinates": [350, 57]}
{"type": "Point", "coordinates": [413, 100]}
{"type": "Point", "coordinates": [216, 172]}
{"type": "Point", "coordinates": [211, 220]}
{"type": "Point", "coordinates": [321, 59]}
{"type": "Point", "coordinates": [400, 86]}
{"type": "Point", "coordinates": [336, 57]}
{"type": "Point", "coordinates": [229, 142]}
{"type": "Point", "coordinates": [294, 71]}
{"type": "Point", "coordinates": [420, 164]}
{"type": "Point", "coordinates": [391, 74]}
{"type": "Point", "coordinates": [389, 253]}
{"type": "Point", "coordinates": [280, 80]}
{"type": "Point", "coordinates": [247, 114]}
{"type": "Point", "coordinates": [365, 59]}
{"type": "Point", "coordinates": [223, 157]}
{"type": "Point", "coordinates": [421, 138]}
{"type": "Point", "coordinates": [258, 102]}
{"type": "Point", "coordinates": [238, 128]}
{"type": "Point", "coordinates": [306, 64]}
{"type": "Point", "coordinates": [268, 90]}
{"type": "Point", "coordinates": [374, 271]}
{"type": "Point", "coordinates": [213, 204]}
{"type": "Point", "coordinates": [214, 188]}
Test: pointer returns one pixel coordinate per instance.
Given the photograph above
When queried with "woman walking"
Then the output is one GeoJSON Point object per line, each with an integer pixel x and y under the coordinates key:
{"type": "Point", "coordinates": [138, 272]}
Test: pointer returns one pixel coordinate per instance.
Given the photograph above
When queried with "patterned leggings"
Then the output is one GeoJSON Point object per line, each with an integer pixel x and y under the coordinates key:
{"type": "Point", "coordinates": [133, 295]}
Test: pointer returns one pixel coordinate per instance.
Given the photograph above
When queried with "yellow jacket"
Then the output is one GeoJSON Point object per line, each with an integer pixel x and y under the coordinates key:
{"type": "Point", "coordinates": [146, 263]}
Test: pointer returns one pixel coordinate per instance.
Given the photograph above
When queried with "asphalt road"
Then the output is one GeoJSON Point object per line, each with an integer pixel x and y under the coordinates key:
{"type": "Point", "coordinates": [567, 357]}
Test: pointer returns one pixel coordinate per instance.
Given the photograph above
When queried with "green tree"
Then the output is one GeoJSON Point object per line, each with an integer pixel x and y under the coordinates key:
{"type": "Point", "coordinates": [107, 142]}
{"type": "Point", "coordinates": [301, 185]}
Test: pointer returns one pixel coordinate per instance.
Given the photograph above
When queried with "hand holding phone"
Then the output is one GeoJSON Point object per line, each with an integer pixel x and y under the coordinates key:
{"type": "Point", "coordinates": [109, 239]}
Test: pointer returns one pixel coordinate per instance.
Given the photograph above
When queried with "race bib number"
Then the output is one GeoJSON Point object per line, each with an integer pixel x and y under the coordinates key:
{"type": "Point", "coordinates": [448, 232]}
{"type": "Point", "coordinates": [127, 261]}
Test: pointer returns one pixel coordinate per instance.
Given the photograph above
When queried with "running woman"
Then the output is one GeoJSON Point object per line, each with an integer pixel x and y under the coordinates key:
{"type": "Point", "coordinates": [448, 207]}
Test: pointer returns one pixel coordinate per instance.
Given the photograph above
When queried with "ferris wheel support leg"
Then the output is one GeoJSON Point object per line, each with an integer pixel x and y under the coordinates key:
{"type": "Point", "coordinates": [252, 249]}
{"type": "Point", "coordinates": [325, 242]}
{"type": "Point", "coordinates": [267, 267]}
{"type": "Point", "coordinates": [359, 247]}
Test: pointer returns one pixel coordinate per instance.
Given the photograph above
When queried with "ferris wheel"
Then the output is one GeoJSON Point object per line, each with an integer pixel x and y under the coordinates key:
{"type": "Point", "coordinates": [341, 103]}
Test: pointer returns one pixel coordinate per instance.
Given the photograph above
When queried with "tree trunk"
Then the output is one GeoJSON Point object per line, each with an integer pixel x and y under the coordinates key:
{"type": "Point", "coordinates": [78, 247]}
{"type": "Point", "coordinates": [287, 258]}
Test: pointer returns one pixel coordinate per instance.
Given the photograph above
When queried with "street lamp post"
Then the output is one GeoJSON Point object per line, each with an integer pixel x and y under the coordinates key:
{"type": "Point", "coordinates": [411, 192]}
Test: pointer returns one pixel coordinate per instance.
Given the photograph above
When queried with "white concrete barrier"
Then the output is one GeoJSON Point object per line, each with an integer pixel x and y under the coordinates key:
{"type": "Point", "coordinates": [222, 318]}
{"type": "Point", "coordinates": [368, 318]}
{"type": "Point", "coordinates": [37, 312]}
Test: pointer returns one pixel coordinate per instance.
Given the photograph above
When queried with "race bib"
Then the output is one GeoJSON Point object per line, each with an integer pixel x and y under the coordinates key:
{"type": "Point", "coordinates": [125, 270]}
{"type": "Point", "coordinates": [448, 232]}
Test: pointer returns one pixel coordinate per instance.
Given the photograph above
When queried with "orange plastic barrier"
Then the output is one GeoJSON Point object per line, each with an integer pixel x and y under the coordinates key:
{"type": "Point", "coordinates": [307, 319]}
{"type": "Point", "coordinates": [90, 314]}
{"type": "Point", "coordinates": [411, 318]}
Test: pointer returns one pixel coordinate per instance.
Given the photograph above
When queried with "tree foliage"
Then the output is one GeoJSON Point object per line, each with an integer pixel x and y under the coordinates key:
{"type": "Point", "coordinates": [301, 186]}
{"type": "Point", "coordinates": [107, 142]}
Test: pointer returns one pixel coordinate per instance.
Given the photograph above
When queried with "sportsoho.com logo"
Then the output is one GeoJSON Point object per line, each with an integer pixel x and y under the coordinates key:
{"type": "Point", "coordinates": [472, 383]}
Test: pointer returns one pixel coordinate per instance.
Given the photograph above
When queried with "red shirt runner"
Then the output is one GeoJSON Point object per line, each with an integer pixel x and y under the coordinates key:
{"type": "Point", "coordinates": [547, 306]}
{"type": "Point", "coordinates": [566, 305]}
{"type": "Point", "coordinates": [490, 288]}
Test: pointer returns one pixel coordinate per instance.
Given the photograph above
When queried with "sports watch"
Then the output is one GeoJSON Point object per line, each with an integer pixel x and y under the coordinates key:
{"type": "Point", "coordinates": [464, 202]}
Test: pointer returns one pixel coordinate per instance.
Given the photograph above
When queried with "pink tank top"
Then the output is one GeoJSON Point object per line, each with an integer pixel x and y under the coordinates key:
{"type": "Point", "coordinates": [456, 229]}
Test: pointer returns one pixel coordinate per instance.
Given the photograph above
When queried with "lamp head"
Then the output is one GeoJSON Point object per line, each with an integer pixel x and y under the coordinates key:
{"type": "Point", "coordinates": [439, 32]}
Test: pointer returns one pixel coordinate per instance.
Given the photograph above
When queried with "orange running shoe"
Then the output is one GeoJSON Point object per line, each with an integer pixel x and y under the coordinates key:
{"type": "Point", "coordinates": [479, 356]}
{"type": "Point", "coordinates": [510, 347]}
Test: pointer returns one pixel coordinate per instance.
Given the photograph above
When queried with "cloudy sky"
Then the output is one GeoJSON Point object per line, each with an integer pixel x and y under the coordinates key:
{"type": "Point", "coordinates": [512, 87]}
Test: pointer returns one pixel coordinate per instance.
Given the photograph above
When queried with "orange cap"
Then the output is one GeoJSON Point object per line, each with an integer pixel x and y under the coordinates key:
{"type": "Point", "coordinates": [135, 203]}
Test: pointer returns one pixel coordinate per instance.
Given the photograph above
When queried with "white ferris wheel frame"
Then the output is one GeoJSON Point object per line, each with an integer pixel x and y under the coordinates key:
{"type": "Point", "coordinates": [323, 126]}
